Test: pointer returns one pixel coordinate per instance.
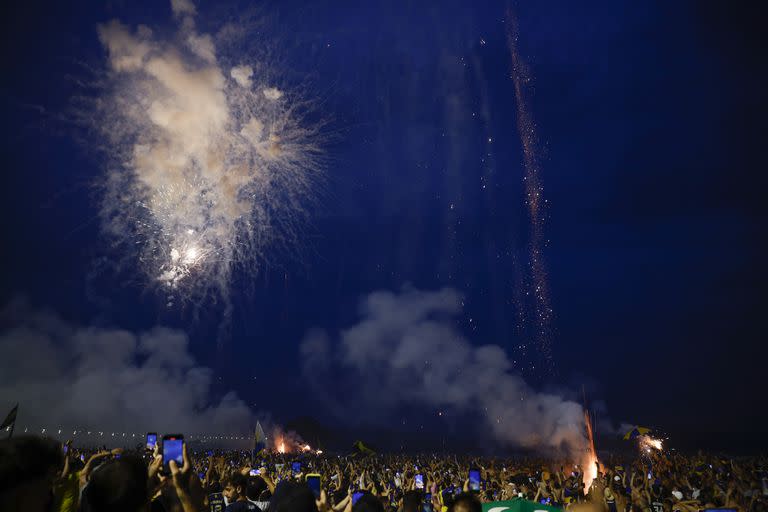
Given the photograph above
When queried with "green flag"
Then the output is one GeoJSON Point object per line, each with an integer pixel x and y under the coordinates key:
{"type": "Point", "coordinates": [362, 448]}
{"type": "Point", "coordinates": [518, 506]}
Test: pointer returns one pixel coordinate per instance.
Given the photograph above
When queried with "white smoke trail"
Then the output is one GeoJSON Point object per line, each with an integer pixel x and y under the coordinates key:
{"type": "Point", "coordinates": [208, 165]}
{"type": "Point", "coordinates": [406, 350]}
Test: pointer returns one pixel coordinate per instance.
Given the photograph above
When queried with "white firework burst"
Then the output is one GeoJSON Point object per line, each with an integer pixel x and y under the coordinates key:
{"type": "Point", "coordinates": [209, 164]}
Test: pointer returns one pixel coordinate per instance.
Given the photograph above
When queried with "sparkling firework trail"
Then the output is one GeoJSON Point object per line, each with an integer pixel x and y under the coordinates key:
{"type": "Point", "coordinates": [209, 163]}
{"type": "Point", "coordinates": [534, 191]}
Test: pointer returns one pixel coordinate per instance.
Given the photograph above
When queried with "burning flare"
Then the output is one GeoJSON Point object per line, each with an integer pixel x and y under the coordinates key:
{"type": "Point", "coordinates": [589, 463]}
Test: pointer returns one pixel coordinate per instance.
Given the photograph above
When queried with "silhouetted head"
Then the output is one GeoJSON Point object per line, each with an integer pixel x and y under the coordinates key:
{"type": "Point", "coordinates": [466, 502]}
{"type": "Point", "coordinates": [292, 497]}
{"type": "Point", "coordinates": [28, 466]}
{"type": "Point", "coordinates": [118, 486]}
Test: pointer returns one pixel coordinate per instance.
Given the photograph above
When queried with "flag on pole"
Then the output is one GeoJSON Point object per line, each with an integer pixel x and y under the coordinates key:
{"type": "Point", "coordinates": [10, 420]}
{"type": "Point", "coordinates": [362, 448]}
{"type": "Point", "coordinates": [259, 440]}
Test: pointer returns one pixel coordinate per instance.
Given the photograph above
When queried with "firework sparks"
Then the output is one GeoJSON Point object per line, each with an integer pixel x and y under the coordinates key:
{"type": "Point", "coordinates": [209, 164]}
{"type": "Point", "coordinates": [648, 444]}
{"type": "Point", "coordinates": [534, 191]}
{"type": "Point", "coordinates": [590, 461]}
{"type": "Point", "coordinates": [281, 447]}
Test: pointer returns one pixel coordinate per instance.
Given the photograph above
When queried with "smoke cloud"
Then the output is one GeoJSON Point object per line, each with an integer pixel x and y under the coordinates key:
{"type": "Point", "coordinates": [91, 378]}
{"type": "Point", "coordinates": [208, 162]}
{"type": "Point", "coordinates": [405, 350]}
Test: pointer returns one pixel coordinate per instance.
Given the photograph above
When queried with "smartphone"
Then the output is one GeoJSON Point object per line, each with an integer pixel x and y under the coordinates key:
{"type": "Point", "coordinates": [474, 480]}
{"type": "Point", "coordinates": [254, 472]}
{"type": "Point", "coordinates": [356, 496]}
{"type": "Point", "coordinates": [419, 479]}
{"type": "Point", "coordinates": [66, 449]}
{"type": "Point", "coordinates": [296, 467]}
{"type": "Point", "coordinates": [173, 449]}
{"type": "Point", "coordinates": [428, 502]}
{"type": "Point", "coordinates": [151, 440]}
{"type": "Point", "coordinates": [313, 481]}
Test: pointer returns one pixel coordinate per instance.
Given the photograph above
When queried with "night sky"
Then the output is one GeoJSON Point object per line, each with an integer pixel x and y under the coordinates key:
{"type": "Point", "coordinates": [650, 120]}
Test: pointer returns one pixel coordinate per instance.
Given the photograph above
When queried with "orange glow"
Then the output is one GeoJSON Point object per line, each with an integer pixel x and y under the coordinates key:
{"type": "Point", "coordinates": [589, 463]}
{"type": "Point", "coordinates": [281, 447]}
{"type": "Point", "coordinates": [306, 448]}
{"type": "Point", "coordinates": [649, 443]}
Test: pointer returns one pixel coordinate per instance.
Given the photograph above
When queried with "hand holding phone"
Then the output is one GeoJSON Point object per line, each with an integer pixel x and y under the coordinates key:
{"type": "Point", "coordinates": [474, 480]}
{"type": "Point", "coordinates": [419, 481]}
{"type": "Point", "coordinates": [151, 440]}
{"type": "Point", "coordinates": [173, 449]}
{"type": "Point", "coordinates": [313, 481]}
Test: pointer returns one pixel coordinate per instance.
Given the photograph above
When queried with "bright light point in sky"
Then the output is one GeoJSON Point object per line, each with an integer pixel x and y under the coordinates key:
{"type": "Point", "coordinates": [191, 255]}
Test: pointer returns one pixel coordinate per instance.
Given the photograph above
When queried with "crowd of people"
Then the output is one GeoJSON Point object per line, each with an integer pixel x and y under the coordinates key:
{"type": "Point", "coordinates": [40, 474]}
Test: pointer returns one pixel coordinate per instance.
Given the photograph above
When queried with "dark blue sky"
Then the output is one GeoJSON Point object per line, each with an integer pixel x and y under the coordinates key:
{"type": "Point", "coordinates": [650, 118]}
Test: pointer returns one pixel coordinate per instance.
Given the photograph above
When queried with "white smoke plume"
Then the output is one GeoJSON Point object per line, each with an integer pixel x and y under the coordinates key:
{"type": "Point", "coordinates": [208, 163]}
{"type": "Point", "coordinates": [90, 378]}
{"type": "Point", "coordinates": [283, 441]}
{"type": "Point", "coordinates": [405, 350]}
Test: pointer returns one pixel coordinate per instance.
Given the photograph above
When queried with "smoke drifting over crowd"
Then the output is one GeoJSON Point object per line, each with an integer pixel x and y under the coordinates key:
{"type": "Point", "coordinates": [406, 350]}
{"type": "Point", "coordinates": [208, 163]}
{"type": "Point", "coordinates": [101, 378]}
